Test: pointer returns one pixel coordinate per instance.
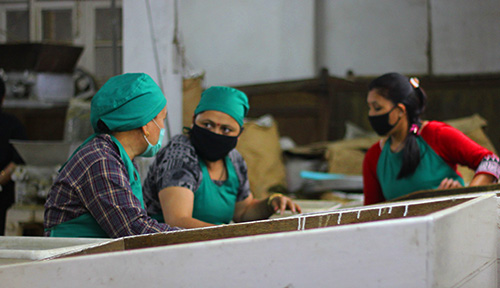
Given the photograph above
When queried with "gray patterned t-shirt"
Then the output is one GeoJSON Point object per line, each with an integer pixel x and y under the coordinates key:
{"type": "Point", "coordinates": [176, 165]}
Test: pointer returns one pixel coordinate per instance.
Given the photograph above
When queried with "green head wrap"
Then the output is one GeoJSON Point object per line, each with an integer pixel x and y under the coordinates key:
{"type": "Point", "coordinates": [224, 99]}
{"type": "Point", "coordinates": [126, 102]}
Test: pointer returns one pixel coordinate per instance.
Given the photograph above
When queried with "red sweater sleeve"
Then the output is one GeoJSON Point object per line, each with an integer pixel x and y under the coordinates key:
{"type": "Point", "coordinates": [453, 146]}
{"type": "Point", "coordinates": [371, 186]}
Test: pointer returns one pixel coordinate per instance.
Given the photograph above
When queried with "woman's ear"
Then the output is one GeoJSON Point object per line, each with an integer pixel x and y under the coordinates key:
{"type": "Point", "coordinates": [402, 107]}
{"type": "Point", "coordinates": [145, 131]}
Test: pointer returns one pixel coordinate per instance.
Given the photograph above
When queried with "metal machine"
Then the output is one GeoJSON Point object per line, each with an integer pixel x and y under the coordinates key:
{"type": "Point", "coordinates": [39, 72]}
{"type": "Point", "coordinates": [42, 162]}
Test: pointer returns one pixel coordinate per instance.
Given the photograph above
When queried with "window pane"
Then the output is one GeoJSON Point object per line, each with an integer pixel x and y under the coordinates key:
{"type": "Point", "coordinates": [57, 26]}
{"type": "Point", "coordinates": [104, 63]}
{"type": "Point", "coordinates": [104, 22]}
{"type": "Point", "coordinates": [17, 26]}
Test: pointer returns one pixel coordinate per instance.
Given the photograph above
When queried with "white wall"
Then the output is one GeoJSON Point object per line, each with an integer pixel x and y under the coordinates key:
{"type": "Point", "coordinates": [372, 37]}
{"type": "Point", "coordinates": [139, 53]}
{"type": "Point", "coordinates": [249, 41]}
{"type": "Point", "coordinates": [466, 36]}
{"type": "Point", "coordinates": [239, 42]}
{"type": "Point", "coordinates": [256, 41]}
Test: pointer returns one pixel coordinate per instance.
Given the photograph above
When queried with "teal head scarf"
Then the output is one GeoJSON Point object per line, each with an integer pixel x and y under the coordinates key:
{"type": "Point", "coordinates": [224, 99]}
{"type": "Point", "coordinates": [126, 102]}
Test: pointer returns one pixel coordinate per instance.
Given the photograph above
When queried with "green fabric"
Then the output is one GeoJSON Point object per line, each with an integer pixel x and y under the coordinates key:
{"type": "Point", "coordinates": [158, 217]}
{"type": "Point", "coordinates": [428, 175]}
{"type": "Point", "coordinates": [83, 226]}
{"type": "Point", "coordinates": [133, 174]}
{"type": "Point", "coordinates": [213, 203]}
{"type": "Point", "coordinates": [224, 99]}
{"type": "Point", "coordinates": [126, 102]}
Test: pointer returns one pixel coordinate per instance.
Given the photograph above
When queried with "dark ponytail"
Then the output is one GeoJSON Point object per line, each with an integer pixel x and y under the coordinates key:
{"type": "Point", "coordinates": [399, 89]}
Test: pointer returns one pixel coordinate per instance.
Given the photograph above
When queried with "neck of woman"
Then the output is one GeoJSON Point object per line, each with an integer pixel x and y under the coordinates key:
{"type": "Point", "coordinates": [216, 169]}
{"type": "Point", "coordinates": [398, 138]}
{"type": "Point", "coordinates": [132, 141]}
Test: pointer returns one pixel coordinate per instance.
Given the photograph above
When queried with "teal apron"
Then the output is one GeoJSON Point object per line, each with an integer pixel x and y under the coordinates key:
{"type": "Point", "coordinates": [428, 175]}
{"type": "Point", "coordinates": [86, 225]}
{"type": "Point", "coordinates": [213, 203]}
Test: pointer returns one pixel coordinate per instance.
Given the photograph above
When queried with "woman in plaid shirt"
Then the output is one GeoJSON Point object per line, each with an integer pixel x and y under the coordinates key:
{"type": "Point", "coordinates": [98, 191]}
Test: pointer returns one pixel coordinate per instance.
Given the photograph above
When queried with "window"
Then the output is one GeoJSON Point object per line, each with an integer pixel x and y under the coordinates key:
{"type": "Point", "coordinates": [57, 26]}
{"type": "Point", "coordinates": [107, 22]}
{"type": "Point", "coordinates": [17, 29]}
{"type": "Point", "coordinates": [91, 24]}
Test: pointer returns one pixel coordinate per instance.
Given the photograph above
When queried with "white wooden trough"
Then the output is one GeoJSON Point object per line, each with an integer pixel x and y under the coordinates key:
{"type": "Point", "coordinates": [448, 243]}
{"type": "Point", "coordinates": [16, 249]}
{"type": "Point", "coordinates": [456, 193]}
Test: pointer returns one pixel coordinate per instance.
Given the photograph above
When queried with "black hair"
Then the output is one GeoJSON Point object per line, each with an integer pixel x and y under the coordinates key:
{"type": "Point", "coordinates": [398, 89]}
{"type": "Point", "coordinates": [102, 127]}
{"type": "Point", "coordinates": [2, 90]}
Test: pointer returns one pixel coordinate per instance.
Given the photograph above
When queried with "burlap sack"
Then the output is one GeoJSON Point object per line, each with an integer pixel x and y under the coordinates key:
{"type": "Point", "coordinates": [472, 127]}
{"type": "Point", "coordinates": [259, 145]}
{"type": "Point", "coordinates": [346, 156]}
{"type": "Point", "coordinates": [191, 93]}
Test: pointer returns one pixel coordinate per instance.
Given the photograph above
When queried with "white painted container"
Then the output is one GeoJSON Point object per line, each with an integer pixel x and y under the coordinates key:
{"type": "Point", "coordinates": [460, 193]}
{"type": "Point", "coordinates": [28, 249]}
{"type": "Point", "coordinates": [450, 243]}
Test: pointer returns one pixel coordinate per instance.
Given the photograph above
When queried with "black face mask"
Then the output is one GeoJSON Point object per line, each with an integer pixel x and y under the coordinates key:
{"type": "Point", "coordinates": [211, 146]}
{"type": "Point", "coordinates": [380, 123]}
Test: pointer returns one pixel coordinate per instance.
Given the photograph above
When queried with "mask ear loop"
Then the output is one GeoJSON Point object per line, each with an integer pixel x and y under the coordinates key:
{"type": "Point", "coordinates": [146, 135]}
{"type": "Point", "coordinates": [241, 131]}
{"type": "Point", "coordinates": [156, 124]}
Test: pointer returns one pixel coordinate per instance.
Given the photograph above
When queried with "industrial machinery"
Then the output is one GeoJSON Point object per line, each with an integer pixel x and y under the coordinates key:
{"type": "Point", "coordinates": [39, 72]}
{"type": "Point", "coordinates": [42, 162]}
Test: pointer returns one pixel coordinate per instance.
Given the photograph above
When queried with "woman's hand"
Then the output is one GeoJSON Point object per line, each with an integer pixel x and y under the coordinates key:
{"type": "Point", "coordinates": [449, 183]}
{"type": "Point", "coordinates": [282, 203]}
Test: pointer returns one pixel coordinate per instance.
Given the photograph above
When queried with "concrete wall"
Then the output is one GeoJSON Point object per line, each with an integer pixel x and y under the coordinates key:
{"type": "Point", "coordinates": [466, 36]}
{"type": "Point", "coordinates": [249, 41]}
{"type": "Point", "coordinates": [254, 41]}
{"type": "Point", "coordinates": [370, 37]}
{"type": "Point", "coordinates": [147, 47]}
{"type": "Point", "coordinates": [241, 42]}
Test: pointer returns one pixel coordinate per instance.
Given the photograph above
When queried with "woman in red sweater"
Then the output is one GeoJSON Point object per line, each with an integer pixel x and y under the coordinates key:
{"type": "Point", "coordinates": [414, 154]}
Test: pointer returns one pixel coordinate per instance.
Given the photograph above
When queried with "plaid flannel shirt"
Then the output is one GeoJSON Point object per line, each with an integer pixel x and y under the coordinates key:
{"type": "Point", "coordinates": [95, 180]}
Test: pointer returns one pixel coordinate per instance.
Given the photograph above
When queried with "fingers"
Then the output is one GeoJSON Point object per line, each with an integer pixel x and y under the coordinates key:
{"type": "Point", "coordinates": [297, 208]}
{"type": "Point", "coordinates": [456, 184]}
{"type": "Point", "coordinates": [275, 206]}
{"type": "Point", "coordinates": [284, 203]}
{"type": "Point", "coordinates": [448, 183]}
